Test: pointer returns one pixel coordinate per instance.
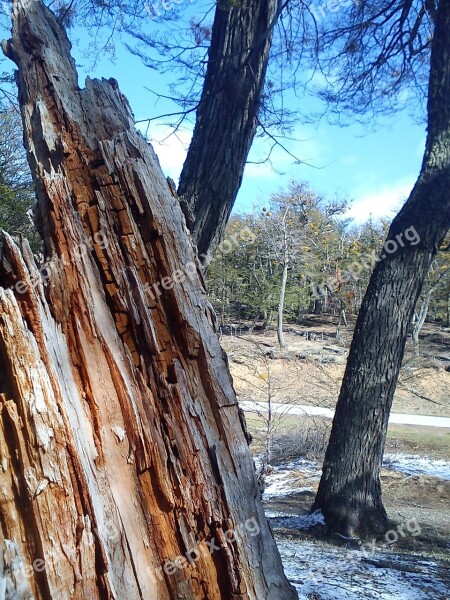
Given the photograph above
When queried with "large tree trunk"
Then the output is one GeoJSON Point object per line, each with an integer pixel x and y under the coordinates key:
{"type": "Point", "coordinates": [349, 494]}
{"type": "Point", "coordinates": [226, 116]}
{"type": "Point", "coordinates": [121, 444]}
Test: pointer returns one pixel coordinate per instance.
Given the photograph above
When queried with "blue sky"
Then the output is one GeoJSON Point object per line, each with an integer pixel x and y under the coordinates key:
{"type": "Point", "coordinates": [374, 168]}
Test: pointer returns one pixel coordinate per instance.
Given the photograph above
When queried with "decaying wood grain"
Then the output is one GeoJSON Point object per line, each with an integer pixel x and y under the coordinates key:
{"type": "Point", "coordinates": [120, 438]}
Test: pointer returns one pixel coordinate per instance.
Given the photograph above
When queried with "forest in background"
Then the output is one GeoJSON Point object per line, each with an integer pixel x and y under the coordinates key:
{"type": "Point", "coordinates": [327, 258]}
{"type": "Point", "coordinates": [329, 263]}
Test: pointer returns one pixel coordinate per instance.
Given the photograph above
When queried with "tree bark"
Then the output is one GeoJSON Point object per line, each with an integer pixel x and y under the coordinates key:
{"type": "Point", "coordinates": [122, 448]}
{"type": "Point", "coordinates": [349, 493]}
{"type": "Point", "coordinates": [227, 116]}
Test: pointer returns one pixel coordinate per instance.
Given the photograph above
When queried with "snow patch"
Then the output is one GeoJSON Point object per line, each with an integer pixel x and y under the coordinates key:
{"type": "Point", "coordinates": [290, 478]}
{"type": "Point", "coordinates": [336, 573]}
{"type": "Point", "coordinates": [282, 484]}
{"type": "Point", "coordinates": [411, 464]}
{"type": "Point", "coordinates": [296, 522]}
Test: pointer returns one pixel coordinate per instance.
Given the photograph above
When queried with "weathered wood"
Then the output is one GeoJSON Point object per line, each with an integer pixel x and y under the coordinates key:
{"type": "Point", "coordinates": [120, 436]}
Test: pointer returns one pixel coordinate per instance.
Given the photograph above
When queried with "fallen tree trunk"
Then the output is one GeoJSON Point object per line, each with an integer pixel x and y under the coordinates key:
{"type": "Point", "coordinates": [125, 470]}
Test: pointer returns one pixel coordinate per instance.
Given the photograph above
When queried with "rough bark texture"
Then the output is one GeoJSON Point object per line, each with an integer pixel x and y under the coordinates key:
{"type": "Point", "coordinates": [227, 116]}
{"type": "Point", "coordinates": [350, 490]}
{"type": "Point", "coordinates": [120, 438]}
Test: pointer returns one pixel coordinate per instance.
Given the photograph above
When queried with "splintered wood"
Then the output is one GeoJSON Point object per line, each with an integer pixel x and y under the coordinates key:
{"type": "Point", "coordinates": [124, 468]}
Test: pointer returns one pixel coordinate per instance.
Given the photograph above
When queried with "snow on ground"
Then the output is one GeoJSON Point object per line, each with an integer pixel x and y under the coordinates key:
{"type": "Point", "coordinates": [327, 572]}
{"type": "Point", "coordinates": [278, 483]}
{"type": "Point", "coordinates": [289, 478]}
{"type": "Point", "coordinates": [336, 573]}
{"type": "Point", "coordinates": [320, 411]}
{"type": "Point", "coordinates": [302, 522]}
{"type": "Point", "coordinates": [411, 464]}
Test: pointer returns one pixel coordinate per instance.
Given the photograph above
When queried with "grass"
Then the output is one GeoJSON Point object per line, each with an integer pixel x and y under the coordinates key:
{"type": "Point", "coordinates": [432, 442]}
{"type": "Point", "coordinates": [293, 437]}
{"type": "Point", "coordinates": [405, 497]}
{"type": "Point", "coordinates": [425, 441]}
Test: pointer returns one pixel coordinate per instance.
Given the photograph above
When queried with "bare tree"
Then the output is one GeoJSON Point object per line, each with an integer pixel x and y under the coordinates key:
{"type": "Point", "coordinates": [267, 400]}
{"type": "Point", "coordinates": [434, 285]}
{"type": "Point", "coordinates": [17, 197]}
{"type": "Point", "coordinates": [283, 232]}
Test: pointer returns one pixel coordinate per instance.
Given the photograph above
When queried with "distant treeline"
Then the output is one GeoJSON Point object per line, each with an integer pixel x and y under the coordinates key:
{"type": "Point", "coordinates": [329, 262]}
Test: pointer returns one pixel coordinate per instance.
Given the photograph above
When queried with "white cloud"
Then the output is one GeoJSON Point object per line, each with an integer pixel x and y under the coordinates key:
{"type": "Point", "coordinates": [421, 147]}
{"type": "Point", "coordinates": [384, 202]}
{"type": "Point", "coordinates": [170, 149]}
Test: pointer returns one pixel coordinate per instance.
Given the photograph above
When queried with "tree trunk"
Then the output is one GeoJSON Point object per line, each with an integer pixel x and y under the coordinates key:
{"type": "Point", "coordinates": [349, 494]}
{"type": "Point", "coordinates": [267, 460]}
{"type": "Point", "coordinates": [420, 322]}
{"type": "Point", "coordinates": [125, 466]}
{"type": "Point", "coordinates": [342, 319]}
{"type": "Point", "coordinates": [280, 334]}
{"type": "Point", "coordinates": [226, 116]}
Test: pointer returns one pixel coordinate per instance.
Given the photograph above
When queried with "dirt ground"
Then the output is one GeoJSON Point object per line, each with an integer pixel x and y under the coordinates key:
{"type": "Point", "coordinates": [311, 369]}
{"type": "Point", "coordinates": [421, 497]}
{"type": "Point", "coordinates": [309, 372]}
{"type": "Point", "coordinates": [405, 499]}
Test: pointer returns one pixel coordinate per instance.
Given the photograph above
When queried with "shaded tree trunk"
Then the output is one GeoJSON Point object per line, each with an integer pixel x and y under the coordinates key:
{"type": "Point", "coordinates": [349, 493]}
{"type": "Point", "coordinates": [125, 468]}
{"type": "Point", "coordinates": [226, 116]}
